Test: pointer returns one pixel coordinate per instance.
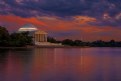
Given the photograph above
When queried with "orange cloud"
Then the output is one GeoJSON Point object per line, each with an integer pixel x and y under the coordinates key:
{"type": "Point", "coordinates": [84, 19]}
{"type": "Point", "coordinates": [78, 24]}
{"type": "Point", "coordinates": [20, 21]}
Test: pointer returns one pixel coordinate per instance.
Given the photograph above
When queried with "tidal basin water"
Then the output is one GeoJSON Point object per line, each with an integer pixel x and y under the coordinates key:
{"type": "Point", "coordinates": [61, 64]}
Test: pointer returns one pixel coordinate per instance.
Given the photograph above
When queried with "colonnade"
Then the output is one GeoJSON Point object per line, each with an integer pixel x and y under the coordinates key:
{"type": "Point", "coordinates": [40, 37]}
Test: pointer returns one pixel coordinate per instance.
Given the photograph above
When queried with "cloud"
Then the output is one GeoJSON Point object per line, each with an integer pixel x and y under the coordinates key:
{"type": "Point", "coordinates": [62, 7]}
{"type": "Point", "coordinates": [14, 22]}
{"type": "Point", "coordinates": [102, 10]}
{"type": "Point", "coordinates": [90, 18]}
{"type": "Point", "coordinates": [75, 28]}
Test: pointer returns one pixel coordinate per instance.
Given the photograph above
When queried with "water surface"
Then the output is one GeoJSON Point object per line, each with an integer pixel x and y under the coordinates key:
{"type": "Point", "coordinates": [61, 64]}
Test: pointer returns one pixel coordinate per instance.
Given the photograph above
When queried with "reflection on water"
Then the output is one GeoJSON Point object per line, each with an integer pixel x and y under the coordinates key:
{"type": "Point", "coordinates": [61, 64]}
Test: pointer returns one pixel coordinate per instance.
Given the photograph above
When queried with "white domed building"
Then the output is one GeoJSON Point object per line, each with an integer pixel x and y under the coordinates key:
{"type": "Point", "coordinates": [28, 27]}
{"type": "Point", "coordinates": [39, 36]}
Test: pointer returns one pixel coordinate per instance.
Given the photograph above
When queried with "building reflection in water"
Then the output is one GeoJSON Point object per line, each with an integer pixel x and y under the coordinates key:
{"type": "Point", "coordinates": [62, 65]}
{"type": "Point", "coordinates": [58, 64]}
{"type": "Point", "coordinates": [14, 64]}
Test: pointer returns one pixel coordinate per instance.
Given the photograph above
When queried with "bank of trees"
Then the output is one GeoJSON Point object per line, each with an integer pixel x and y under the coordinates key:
{"type": "Point", "coordinates": [14, 39]}
{"type": "Point", "coordinates": [23, 39]}
{"type": "Point", "coordinates": [98, 43]}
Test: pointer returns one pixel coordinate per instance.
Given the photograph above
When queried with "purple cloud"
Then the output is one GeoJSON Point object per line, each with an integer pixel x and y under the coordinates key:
{"type": "Point", "coordinates": [64, 9]}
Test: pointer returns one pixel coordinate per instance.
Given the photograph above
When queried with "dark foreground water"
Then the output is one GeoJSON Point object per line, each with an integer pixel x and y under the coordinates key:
{"type": "Point", "coordinates": [61, 64]}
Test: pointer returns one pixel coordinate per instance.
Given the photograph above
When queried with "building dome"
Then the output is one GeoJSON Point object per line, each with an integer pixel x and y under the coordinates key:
{"type": "Point", "coordinates": [28, 27]}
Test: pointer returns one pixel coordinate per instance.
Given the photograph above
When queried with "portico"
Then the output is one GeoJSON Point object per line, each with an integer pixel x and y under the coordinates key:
{"type": "Point", "coordinates": [40, 36]}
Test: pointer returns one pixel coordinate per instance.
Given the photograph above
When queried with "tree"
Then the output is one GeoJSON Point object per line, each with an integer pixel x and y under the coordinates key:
{"type": "Point", "coordinates": [4, 36]}
{"type": "Point", "coordinates": [20, 39]}
{"type": "Point", "coordinates": [68, 42]}
{"type": "Point", "coordinates": [98, 43]}
{"type": "Point", "coordinates": [51, 39]}
{"type": "Point", "coordinates": [112, 43]}
{"type": "Point", "coordinates": [78, 43]}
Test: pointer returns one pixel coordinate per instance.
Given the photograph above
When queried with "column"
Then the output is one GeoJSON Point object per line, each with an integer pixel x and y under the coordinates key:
{"type": "Point", "coordinates": [46, 37]}
{"type": "Point", "coordinates": [39, 38]}
{"type": "Point", "coordinates": [42, 38]}
{"type": "Point", "coordinates": [36, 37]}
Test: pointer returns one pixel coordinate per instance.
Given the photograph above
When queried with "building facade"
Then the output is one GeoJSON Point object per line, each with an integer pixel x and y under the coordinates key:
{"type": "Point", "coordinates": [40, 36]}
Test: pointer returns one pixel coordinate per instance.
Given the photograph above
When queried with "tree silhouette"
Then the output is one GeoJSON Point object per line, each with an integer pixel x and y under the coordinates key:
{"type": "Point", "coordinates": [4, 36]}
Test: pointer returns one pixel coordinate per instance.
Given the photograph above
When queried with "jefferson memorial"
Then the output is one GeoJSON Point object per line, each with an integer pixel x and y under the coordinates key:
{"type": "Point", "coordinates": [39, 36]}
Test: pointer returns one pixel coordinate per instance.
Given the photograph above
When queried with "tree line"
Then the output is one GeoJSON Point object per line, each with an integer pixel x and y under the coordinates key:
{"type": "Point", "coordinates": [98, 43]}
{"type": "Point", "coordinates": [14, 39]}
{"type": "Point", "coordinates": [23, 39]}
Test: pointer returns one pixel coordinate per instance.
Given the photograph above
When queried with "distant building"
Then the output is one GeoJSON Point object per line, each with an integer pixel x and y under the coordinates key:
{"type": "Point", "coordinates": [39, 36]}
{"type": "Point", "coordinates": [28, 27]}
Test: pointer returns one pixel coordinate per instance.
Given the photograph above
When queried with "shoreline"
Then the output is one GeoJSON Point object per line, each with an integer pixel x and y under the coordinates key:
{"type": "Point", "coordinates": [31, 47]}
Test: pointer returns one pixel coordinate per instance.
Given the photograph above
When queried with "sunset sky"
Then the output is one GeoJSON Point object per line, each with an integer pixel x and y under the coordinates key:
{"type": "Point", "coordinates": [75, 19]}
